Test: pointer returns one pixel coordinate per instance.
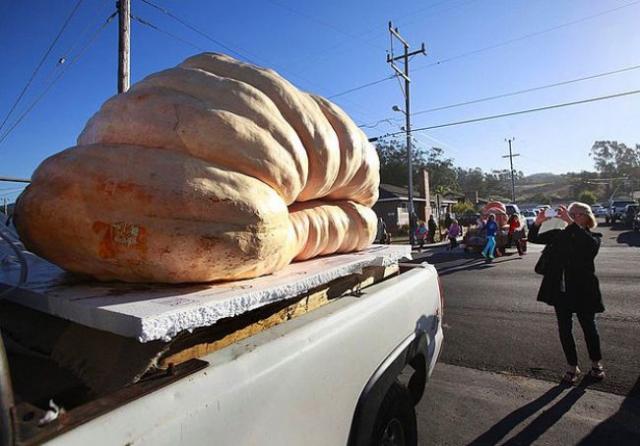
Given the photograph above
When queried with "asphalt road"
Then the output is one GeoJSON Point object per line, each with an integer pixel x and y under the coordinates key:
{"type": "Point", "coordinates": [493, 323]}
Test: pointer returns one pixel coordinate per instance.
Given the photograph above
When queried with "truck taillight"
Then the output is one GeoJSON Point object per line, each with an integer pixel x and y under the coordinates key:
{"type": "Point", "coordinates": [441, 290]}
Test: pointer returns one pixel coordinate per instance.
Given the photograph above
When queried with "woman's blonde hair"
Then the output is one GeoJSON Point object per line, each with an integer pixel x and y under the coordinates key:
{"type": "Point", "coordinates": [593, 223]}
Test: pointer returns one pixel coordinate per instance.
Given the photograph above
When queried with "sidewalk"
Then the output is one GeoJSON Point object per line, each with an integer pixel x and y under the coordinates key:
{"type": "Point", "coordinates": [464, 406]}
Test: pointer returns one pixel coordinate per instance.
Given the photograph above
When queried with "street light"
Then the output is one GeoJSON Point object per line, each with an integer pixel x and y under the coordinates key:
{"type": "Point", "coordinates": [411, 209]}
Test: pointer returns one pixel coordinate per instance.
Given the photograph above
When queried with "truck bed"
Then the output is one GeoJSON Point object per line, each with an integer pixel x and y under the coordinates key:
{"type": "Point", "coordinates": [248, 391]}
{"type": "Point", "coordinates": [90, 371]}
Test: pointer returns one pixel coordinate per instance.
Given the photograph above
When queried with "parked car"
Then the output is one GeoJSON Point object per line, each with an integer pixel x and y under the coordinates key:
{"type": "Point", "coordinates": [542, 208]}
{"type": "Point", "coordinates": [599, 210]}
{"type": "Point", "coordinates": [529, 217]}
{"type": "Point", "coordinates": [512, 209]}
{"type": "Point", "coordinates": [617, 210]}
{"type": "Point", "coordinates": [630, 212]}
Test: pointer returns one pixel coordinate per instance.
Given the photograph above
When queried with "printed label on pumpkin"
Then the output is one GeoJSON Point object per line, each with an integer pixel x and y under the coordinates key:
{"type": "Point", "coordinates": [125, 234]}
{"type": "Point", "coordinates": [119, 235]}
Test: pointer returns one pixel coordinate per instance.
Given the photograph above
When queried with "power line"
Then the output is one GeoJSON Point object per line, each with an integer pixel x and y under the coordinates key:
{"type": "Point", "coordinates": [81, 36]}
{"type": "Point", "coordinates": [64, 70]}
{"type": "Point", "coordinates": [196, 30]}
{"type": "Point", "coordinates": [526, 36]}
{"type": "Point", "coordinates": [519, 112]}
{"type": "Point", "coordinates": [202, 33]}
{"type": "Point", "coordinates": [497, 45]}
{"type": "Point", "coordinates": [528, 90]}
{"type": "Point", "coordinates": [361, 87]}
{"type": "Point", "coordinates": [515, 93]}
{"type": "Point", "coordinates": [44, 57]}
{"type": "Point", "coordinates": [321, 22]}
{"type": "Point", "coordinates": [152, 26]}
{"type": "Point", "coordinates": [372, 31]}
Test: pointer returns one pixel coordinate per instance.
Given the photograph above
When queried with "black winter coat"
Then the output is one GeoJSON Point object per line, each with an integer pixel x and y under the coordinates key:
{"type": "Point", "coordinates": [571, 251]}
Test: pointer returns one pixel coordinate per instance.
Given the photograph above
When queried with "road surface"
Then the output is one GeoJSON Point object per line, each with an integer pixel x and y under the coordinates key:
{"type": "Point", "coordinates": [503, 344]}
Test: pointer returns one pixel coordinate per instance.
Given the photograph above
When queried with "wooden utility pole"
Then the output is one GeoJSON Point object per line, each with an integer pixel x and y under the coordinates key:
{"type": "Point", "coordinates": [124, 36]}
{"type": "Point", "coordinates": [407, 114]}
{"type": "Point", "coordinates": [513, 180]}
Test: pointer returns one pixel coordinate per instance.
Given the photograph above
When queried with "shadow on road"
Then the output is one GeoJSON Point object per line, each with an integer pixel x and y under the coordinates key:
{"type": "Point", "coordinates": [615, 429]}
{"type": "Point", "coordinates": [463, 261]}
{"type": "Point", "coordinates": [630, 238]}
{"type": "Point", "coordinates": [619, 226]}
{"type": "Point", "coordinates": [543, 422]}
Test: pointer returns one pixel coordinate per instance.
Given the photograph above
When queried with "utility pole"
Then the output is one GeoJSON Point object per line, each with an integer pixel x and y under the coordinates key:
{"type": "Point", "coordinates": [407, 113]}
{"type": "Point", "coordinates": [513, 180]}
{"type": "Point", "coordinates": [124, 40]}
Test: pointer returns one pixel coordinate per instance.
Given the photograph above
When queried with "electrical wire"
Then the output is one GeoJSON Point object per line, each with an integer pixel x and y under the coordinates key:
{"type": "Point", "coordinates": [519, 112]}
{"type": "Point", "coordinates": [527, 90]}
{"type": "Point", "coordinates": [375, 32]}
{"type": "Point", "coordinates": [57, 78]}
{"type": "Point", "coordinates": [487, 48]}
{"type": "Point", "coordinates": [152, 26]}
{"type": "Point", "coordinates": [526, 36]}
{"type": "Point", "coordinates": [44, 57]}
{"type": "Point", "coordinates": [517, 92]}
{"type": "Point", "coordinates": [62, 59]}
{"type": "Point", "coordinates": [198, 31]}
{"type": "Point", "coordinates": [167, 12]}
{"type": "Point", "coordinates": [323, 23]}
{"type": "Point", "coordinates": [362, 86]}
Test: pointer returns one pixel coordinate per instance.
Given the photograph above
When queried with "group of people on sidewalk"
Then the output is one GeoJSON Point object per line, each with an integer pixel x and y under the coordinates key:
{"type": "Point", "coordinates": [425, 232]}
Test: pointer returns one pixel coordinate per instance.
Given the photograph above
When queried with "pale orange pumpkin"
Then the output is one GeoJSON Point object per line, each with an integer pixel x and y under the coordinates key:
{"type": "Point", "coordinates": [213, 170]}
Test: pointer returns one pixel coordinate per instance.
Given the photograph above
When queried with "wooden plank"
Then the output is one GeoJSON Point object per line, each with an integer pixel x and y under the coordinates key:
{"type": "Point", "coordinates": [105, 362]}
{"type": "Point", "coordinates": [227, 332]}
{"type": "Point", "coordinates": [150, 312]}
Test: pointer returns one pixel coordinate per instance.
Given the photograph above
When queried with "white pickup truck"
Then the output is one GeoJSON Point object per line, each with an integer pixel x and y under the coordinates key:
{"type": "Point", "coordinates": [348, 371]}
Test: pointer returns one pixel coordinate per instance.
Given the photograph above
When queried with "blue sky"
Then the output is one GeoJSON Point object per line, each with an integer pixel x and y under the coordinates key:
{"type": "Point", "coordinates": [331, 46]}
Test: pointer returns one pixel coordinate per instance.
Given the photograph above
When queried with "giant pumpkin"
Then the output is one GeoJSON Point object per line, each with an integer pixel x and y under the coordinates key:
{"type": "Point", "coordinates": [213, 170]}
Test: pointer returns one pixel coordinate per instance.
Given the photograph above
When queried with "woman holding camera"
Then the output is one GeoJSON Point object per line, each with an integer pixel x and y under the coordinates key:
{"type": "Point", "coordinates": [570, 284]}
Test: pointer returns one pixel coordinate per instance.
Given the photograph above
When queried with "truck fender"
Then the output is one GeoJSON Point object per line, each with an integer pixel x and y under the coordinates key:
{"type": "Point", "coordinates": [410, 352]}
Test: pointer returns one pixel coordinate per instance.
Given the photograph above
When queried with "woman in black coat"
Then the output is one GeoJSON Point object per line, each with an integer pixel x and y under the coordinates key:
{"type": "Point", "coordinates": [570, 284]}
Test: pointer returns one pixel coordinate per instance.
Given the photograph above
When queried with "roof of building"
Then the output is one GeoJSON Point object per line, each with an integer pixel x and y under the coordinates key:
{"type": "Point", "coordinates": [400, 192]}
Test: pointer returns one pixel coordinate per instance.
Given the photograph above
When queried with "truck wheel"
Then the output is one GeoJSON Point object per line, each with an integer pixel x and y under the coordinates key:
{"type": "Point", "coordinates": [395, 423]}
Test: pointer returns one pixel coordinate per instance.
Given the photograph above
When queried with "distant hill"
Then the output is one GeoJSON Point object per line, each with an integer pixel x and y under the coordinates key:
{"type": "Point", "coordinates": [556, 188]}
{"type": "Point", "coordinates": [544, 177]}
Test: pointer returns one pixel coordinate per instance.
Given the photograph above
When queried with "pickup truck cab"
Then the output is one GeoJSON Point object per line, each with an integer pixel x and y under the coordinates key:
{"type": "Point", "coordinates": [617, 209]}
{"type": "Point", "coordinates": [348, 372]}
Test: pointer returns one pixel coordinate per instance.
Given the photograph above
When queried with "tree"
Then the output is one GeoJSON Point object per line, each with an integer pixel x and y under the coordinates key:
{"type": "Point", "coordinates": [587, 197]}
{"type": "Point", "coordinates": [393, 161]}
{"type": "Point", "coordinates": [471, 181]}
{"type": "Point", "coordinates": [541, 198]}
{"type": "Point", "coordinates": [393, 164]}
{"type": "Point", "coordinates": [616, 159]}
{"type": "Point", "coordinates": [463, 208]}
{"type": "Point", "coordinates": [441, 170]}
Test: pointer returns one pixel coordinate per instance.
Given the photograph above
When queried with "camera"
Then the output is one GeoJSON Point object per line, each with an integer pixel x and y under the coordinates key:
{"type": "Point", "coordinates": [550, 213]}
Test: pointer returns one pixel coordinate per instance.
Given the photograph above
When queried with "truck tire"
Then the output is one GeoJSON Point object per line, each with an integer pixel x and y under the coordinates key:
{"type": "Point", "coordinates": [395, 423]}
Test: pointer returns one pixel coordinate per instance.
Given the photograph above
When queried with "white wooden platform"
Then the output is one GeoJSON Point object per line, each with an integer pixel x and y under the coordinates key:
{"type": "Point", "coordinates": [159, 312]}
